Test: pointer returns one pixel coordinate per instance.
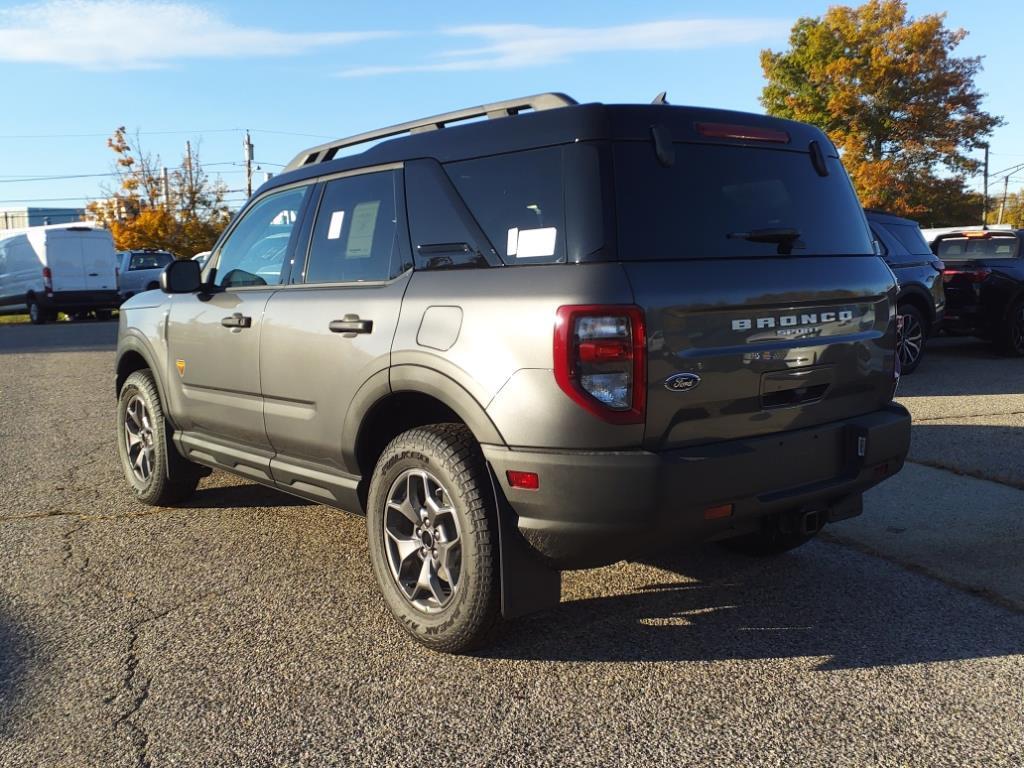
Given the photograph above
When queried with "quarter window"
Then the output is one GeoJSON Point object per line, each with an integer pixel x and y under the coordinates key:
{"type": "Point", "coordinates": [355, 238]}
{"type": "Point", "coordinates": [254, 253]}
{"type": "Point", "coordinates": [518, 200]}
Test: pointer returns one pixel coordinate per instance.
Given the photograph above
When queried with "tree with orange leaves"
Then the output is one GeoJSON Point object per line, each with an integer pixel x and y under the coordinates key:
{"type": "Point", "coordinates": [901, 108]}
{"type": "Point", "coordinates": [188, 221]}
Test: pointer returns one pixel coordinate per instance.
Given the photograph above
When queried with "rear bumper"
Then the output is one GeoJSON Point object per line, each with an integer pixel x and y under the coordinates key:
{"type": "Point", "coordinates": [596, 508]}
{"type": "Point", "coordinates": [80, 300]}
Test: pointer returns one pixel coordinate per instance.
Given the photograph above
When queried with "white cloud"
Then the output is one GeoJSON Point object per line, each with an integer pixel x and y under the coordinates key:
{"type": "Point", "coordinates": [143, 34]}
{"type": "Point", "coordinates": [515, 46]}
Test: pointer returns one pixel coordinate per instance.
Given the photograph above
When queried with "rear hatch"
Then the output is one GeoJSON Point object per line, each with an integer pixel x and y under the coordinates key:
{"type": "Point", "coordinates": [969, 258]}
{"type": "Point", "coordinates": [750, 255]}
{"type": "Point", "coordinates": [63, 255]}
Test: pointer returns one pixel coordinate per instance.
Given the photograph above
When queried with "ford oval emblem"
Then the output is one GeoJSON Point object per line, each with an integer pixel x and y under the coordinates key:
{"type": "Point", "coordinates": [682, 382]}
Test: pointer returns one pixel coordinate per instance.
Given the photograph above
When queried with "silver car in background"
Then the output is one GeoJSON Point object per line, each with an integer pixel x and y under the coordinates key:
{"type": "Point", "coordinates": [140, 270]}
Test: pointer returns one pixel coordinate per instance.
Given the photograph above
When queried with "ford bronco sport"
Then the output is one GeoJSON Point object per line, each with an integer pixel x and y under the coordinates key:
{"type": "Point", "coordinates": [554, 338]}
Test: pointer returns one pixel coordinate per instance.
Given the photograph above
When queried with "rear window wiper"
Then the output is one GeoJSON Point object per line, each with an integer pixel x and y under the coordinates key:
{"type": "Point", "coordinates": [787, 238]}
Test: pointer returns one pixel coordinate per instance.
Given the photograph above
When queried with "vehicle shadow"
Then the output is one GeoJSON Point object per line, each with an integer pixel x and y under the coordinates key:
{"type": "Point", "coordinates": [243, 496]}
{"type": "Point", "coordinates": [963, 366]}
{"type": "Point", "coordinates": [824, 601]}
{"type": "Point", "coordinates": [12, 666]}
{"type": "Point", "coordinates": [89, 336]}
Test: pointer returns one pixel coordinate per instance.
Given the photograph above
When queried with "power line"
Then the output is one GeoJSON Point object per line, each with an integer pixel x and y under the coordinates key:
{"type": "Point", "coordinates": [41, 136]}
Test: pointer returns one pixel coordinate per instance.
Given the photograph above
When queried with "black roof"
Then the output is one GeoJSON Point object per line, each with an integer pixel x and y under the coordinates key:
{"type": "Point", "coordinates": [554, 126]}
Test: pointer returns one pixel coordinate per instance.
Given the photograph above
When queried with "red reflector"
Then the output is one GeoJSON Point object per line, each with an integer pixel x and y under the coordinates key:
{"type": "Point", "coordinates": [604, 351]}
{"type": "Point", "coordinates": [528, 481]}
{"type": "Point", "coordinates": [719, 512]}
{"type": "Point", "coordinates": [742, 132]}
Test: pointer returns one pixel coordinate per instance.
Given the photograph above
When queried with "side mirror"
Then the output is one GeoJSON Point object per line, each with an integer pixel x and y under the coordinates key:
{"type": "Point", "coordinates": [181, 277]}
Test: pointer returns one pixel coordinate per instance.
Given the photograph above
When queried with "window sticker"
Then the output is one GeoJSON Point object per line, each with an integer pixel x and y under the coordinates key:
{"type": "Point", "coordinates": [360, 233]}
{"type": "Point", "coordinates": [533, 243]}
{"type": "Point", "coordinates": [334, 230]}
{"type": "Point", "coordinates": [513, 241]}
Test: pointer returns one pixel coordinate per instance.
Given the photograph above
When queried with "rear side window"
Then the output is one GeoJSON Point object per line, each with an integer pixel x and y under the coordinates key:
{"type": "Point", "coordinates": [910, 237]}
{"type": "Point", "coordinates": [704, 204]}
{"type": "Point", "coordinates": [518, 201]}
{"type": "Point", "coordinates": [145, 260]}
{"type": "Point", "coordinates": [356, 230]}
{"type": "Point", "coordinates": [987, 247]}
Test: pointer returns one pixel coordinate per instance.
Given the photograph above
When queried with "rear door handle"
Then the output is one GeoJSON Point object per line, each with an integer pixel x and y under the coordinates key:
{"type": "Point", "coordinates": [350, 325]}
{"type": "Point", "coordinates": [237, 320]}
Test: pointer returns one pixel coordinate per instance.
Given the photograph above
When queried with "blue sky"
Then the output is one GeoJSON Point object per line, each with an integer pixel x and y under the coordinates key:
{"type": "Point", "coordinates": [73, 70]}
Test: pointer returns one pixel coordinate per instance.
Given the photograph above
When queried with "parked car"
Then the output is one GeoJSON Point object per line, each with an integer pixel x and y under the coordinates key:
{"type": "Point", "coordinates": [921, 303]}
{"type": "Point", "coordinates": [555, 338]}
{"type": "Point", "coordinates": [202, 258]}
{"type": "Point", "coordinates": [984, 282]}
{"type": "Point", "coordinates": [140, 270]}
{"type": "Point", "coordinates": [58, 268]}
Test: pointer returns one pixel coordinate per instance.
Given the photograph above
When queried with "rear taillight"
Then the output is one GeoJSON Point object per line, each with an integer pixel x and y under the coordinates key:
{"type": "Point", "coordinates": [742, 132]}
{"type": "Point", "coordinates": [47, 280]}
{"type": "Point", "coordinates": [972, 275]}
{"type": "Point", "coordinates": [601, 361]}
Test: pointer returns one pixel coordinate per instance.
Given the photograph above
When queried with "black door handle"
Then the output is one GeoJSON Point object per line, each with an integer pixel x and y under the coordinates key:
{"type": "Point", "coordinates": [350, 325]}
{"type": "Point", "coordinates": [237, 320]}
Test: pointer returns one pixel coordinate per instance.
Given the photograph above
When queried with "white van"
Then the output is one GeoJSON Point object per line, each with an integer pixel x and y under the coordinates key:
{"type": "Point", "coordinates": [65, 267]}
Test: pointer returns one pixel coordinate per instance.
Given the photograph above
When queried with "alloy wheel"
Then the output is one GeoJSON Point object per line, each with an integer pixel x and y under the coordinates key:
{"type": "Point", "coordinates": [422, 540]}
{"type": "Point", "coordinates": [911, 341]}
{"type": "Point", "coordinates": [139, 438]}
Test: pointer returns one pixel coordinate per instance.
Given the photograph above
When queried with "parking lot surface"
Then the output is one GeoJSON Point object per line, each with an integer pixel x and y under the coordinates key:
{"type": "Point", "coordinates": [246, 628]}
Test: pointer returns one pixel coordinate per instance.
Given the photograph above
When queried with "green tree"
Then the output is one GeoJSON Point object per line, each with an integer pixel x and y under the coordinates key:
{"type": "Point", "coordinates": [888, 90]}
{"type": "Point", "coordinates": [189, 220]}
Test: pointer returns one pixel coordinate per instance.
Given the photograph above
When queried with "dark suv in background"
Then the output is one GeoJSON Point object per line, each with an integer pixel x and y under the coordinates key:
{"type": "Point", "coordinates": [922, 301]}
{"type": "Point", "coordinates": [984, 281]}
{"type": "Point", "coordinates": [557, 337]}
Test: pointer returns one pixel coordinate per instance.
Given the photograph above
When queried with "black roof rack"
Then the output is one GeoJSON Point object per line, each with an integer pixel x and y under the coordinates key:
{"type": "Point", "coordinates": [537, 103]}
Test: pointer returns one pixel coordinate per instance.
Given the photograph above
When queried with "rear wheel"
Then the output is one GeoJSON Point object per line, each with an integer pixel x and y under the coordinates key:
{"type": "Point", "coordinates": [433, 537]}
{"type": "Point", "coordinates": [1012, 340]}
{"type": "Point", "coordinates": [912, 337]}
{"type": "Point", "coordinates": [143, 446]}
{"type": "Point", "coordinates": [36, 314]}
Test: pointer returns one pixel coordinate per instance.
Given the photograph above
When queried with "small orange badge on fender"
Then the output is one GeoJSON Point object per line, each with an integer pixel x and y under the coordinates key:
{"type": "Point", "coordinates": [181, 367]}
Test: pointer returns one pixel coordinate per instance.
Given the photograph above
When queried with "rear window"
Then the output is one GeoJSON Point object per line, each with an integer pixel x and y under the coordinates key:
{"type": "Point", "coordinates": [150, 260]}
{"type": "Point", "coordinates": [967, 248]}
{"type": "Point", "coordinates": [910, 237]}
{"type": "Point", "coordinates": [517, 200]}
{"type": "Point", "coordinates": [712, 196]}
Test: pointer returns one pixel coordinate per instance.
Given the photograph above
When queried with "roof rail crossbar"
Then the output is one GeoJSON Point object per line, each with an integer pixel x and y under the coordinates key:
{"type": "Point", "coordinates": [537, 103]}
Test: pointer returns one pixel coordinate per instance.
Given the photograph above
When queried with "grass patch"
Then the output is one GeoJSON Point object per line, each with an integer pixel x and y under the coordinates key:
{"type": "Point", "coordinates": [13, 319]}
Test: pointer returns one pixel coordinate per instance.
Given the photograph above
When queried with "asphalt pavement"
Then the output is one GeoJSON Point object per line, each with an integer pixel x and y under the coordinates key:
{"type": "Point", "coordinates": [245, 629]}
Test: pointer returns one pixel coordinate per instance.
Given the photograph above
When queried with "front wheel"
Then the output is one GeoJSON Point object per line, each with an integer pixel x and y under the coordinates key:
{"type": "Point", "coordinates": [142, 445]}
{"type": "Point", "coordinates": [433, 537]}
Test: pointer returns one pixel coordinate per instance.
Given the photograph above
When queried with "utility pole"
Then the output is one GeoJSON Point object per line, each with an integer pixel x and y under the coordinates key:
{"type": "Point", "coordinates": [247, 148]}
{"type": "Point", "coordinates": [1002, 205]}
{"type": "Point", "coordinates": [984, 192]}
{"type": "Point", "coordinates": [165, 179]}
{"type": "Point", "coordinates": [190, 194]}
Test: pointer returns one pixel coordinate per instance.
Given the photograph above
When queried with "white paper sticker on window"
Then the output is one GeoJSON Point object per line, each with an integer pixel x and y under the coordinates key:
{"type": "Point", "coordinates": [334, 230]}
{"type": "Point", "coordinates": [533, 243]}
{"type": "Point", "coordinates": [513, 241]}
{"type": "Point", "coordinates": [360, 235]}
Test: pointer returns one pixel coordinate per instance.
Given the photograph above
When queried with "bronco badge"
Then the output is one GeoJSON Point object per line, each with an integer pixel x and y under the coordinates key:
{"type": "Point", "coordinates": [682, 382]}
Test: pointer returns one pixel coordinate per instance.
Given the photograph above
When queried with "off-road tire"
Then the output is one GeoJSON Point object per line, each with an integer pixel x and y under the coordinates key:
{"type": "Point", "coordinates": [158, 489]}
{"type": "Point", "coordinates": [452, 456]}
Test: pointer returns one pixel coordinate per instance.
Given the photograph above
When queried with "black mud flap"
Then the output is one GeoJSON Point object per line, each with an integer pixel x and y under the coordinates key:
{"type": "Point", "coordinates": [527, 584]}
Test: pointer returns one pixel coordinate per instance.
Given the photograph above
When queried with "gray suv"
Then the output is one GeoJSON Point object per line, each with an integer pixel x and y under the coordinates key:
{"type": "Point", "coordinates": [553, 338]}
